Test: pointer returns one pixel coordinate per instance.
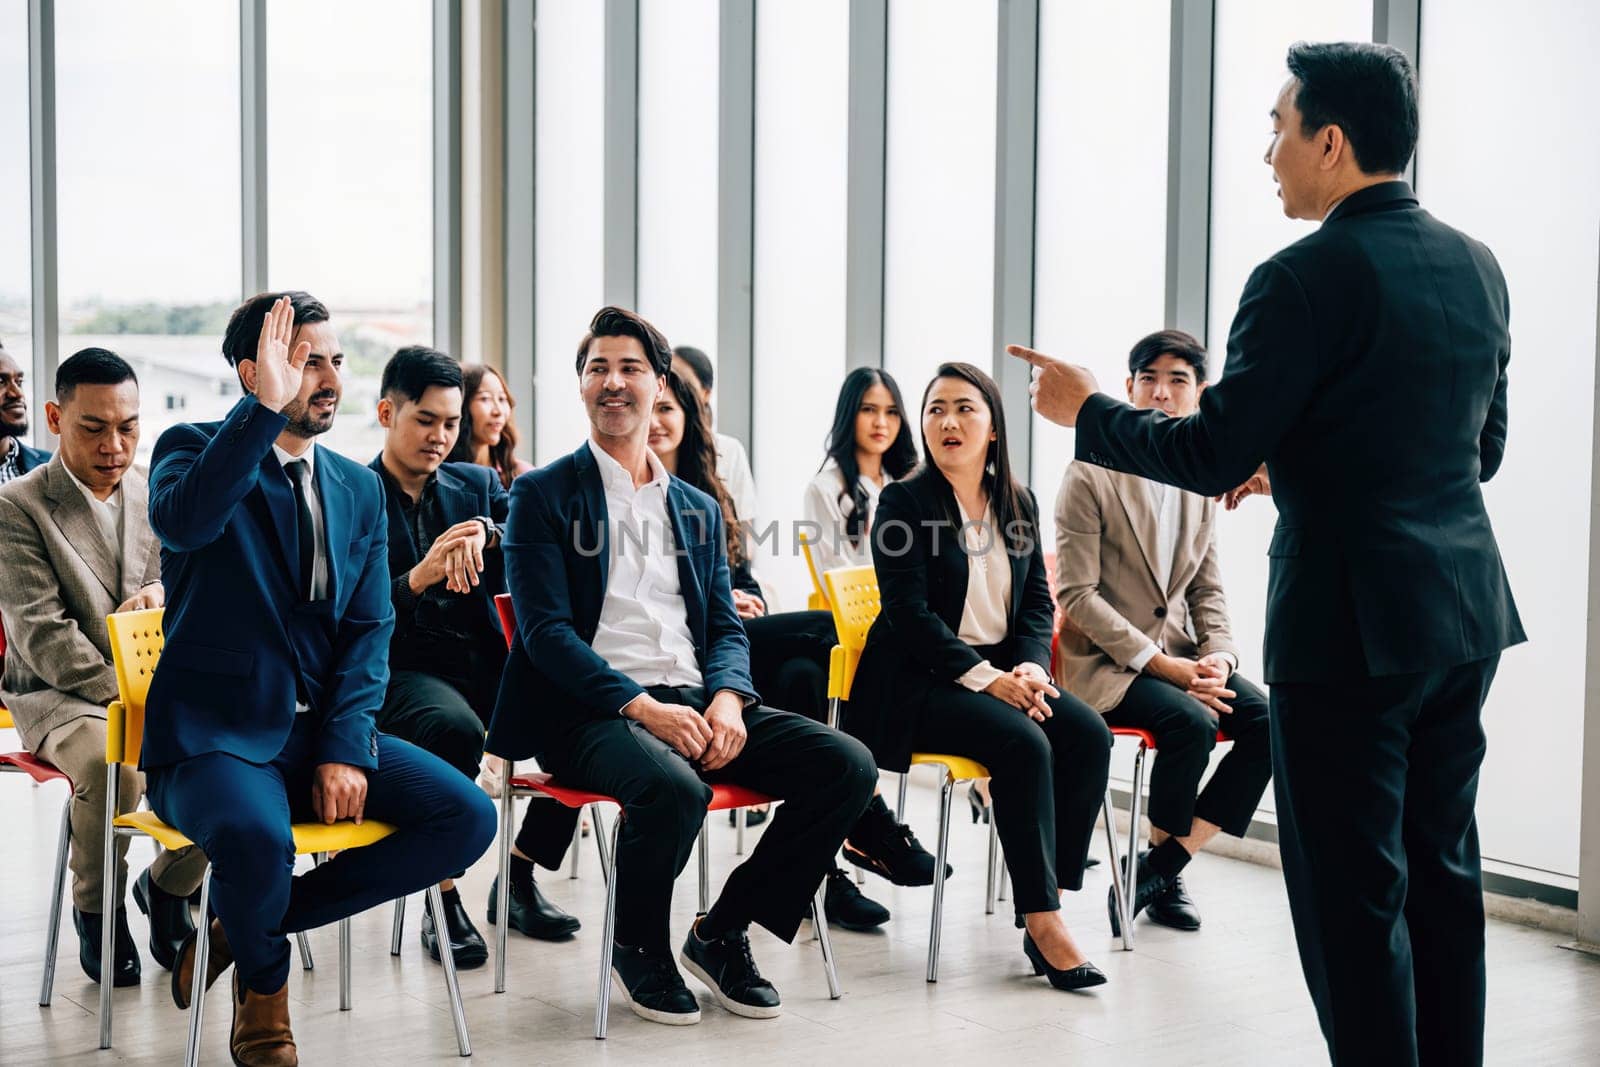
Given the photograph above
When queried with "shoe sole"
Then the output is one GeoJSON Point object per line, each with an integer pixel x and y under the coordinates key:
{"type": "Point", "coordinates": [748, 1011]}
{"type": "Point", "coordinates": [867, 863]}
{"type": "Point", "coordinates": [1187, 928]}
{"type": "Point", "coordinates": [665, 1018]}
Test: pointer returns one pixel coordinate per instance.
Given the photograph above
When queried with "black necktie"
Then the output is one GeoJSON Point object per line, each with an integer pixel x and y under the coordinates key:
{"type": "Point", "coordinates": [299, 473]}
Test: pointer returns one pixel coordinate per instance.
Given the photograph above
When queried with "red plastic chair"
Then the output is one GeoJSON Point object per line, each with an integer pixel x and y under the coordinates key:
{"type": "Point", "coordinates": [724, 797]}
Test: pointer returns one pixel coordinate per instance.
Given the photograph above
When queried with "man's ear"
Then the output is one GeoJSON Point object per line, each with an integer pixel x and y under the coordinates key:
{"type": "Point", "coordinates": [1334, 146]}
{"type": "Point", "coordinates": [247, 374]}
{"type": "Point", "coordinates": [1130, 388]}
{"type": "Point", "coordinates": [52, 416]}
{"type": "Point", "coordinates": [385, 412]}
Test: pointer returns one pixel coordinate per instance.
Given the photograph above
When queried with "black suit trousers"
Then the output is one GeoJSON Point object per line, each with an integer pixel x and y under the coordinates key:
{"type": "Point", "coordinates": [824, 778]}
{"type": "Point", "coordinates": [1376, 782]}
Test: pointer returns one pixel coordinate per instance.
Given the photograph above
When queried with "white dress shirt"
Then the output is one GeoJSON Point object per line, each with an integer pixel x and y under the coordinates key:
{"type": "Point", "coordinates": [1168, 504]}
{"type": "Point", "coordinates": [644, 623]}
{"type": "Point", "coordinates": [107, 513]}
{"type": "Point", "coordinates": [985, 617]}
{"type": "Point", "coordinates": [829, 506]}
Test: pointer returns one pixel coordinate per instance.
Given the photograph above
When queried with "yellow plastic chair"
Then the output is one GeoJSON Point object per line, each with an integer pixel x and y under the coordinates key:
{"type": "Point", "coordinates": [136, 642]}
{"type": "Point", "coordinates": [853, 593]}
{"type": "Point", "coordinates": [817, 600]}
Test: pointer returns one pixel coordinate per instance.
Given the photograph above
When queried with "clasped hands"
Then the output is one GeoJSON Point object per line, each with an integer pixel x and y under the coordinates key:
{"type": "Point", "coordinates": [1205, 679]}
{"type": "Point", "coordinates": [710, 741]}
{"type": "Point", "coordinates": [1025, 689]}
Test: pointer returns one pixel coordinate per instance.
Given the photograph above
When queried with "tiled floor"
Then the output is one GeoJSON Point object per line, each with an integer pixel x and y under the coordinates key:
{"type": "Point", "coordinates": [1230, 994]}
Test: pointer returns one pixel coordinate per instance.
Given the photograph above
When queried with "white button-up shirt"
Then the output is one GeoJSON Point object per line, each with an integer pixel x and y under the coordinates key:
{"type": "Point", "coordinates": [644, 623]}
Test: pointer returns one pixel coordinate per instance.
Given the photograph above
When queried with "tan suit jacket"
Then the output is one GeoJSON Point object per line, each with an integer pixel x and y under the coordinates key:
{"type": "Point", "coordinates": [1113, 606]}
{"type": "Point", "coordinates": [59, 579]}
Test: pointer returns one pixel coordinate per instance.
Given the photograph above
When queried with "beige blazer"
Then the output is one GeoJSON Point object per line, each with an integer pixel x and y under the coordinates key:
{"type": "Point", "coordinates": [59, 579]}
{"type": "Point", "coordinates": [1106, 586]}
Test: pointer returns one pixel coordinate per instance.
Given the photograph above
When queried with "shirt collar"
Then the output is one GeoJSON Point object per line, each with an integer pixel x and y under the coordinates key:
{"type": "Point", "coordinates": [112, 501]}
{"type": "Point", "coordinates": [13, 450]}
{"type": "Point", "coordinates": [398, 492]}
{"type": "Point", "coordinates": [614, 475]}
{"type": "Point", "coordinates": [286, 458]}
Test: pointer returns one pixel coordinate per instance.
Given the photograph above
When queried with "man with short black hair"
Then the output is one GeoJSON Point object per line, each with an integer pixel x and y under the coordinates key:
{"type": "Point", "coordinates": [1365, 387]}
{"type": "Point", "coordinates": [448, 649]}
{"type": "Point", "coordinates": [78, 547]}
{"type": "Point", "coordinates": [16, 458]}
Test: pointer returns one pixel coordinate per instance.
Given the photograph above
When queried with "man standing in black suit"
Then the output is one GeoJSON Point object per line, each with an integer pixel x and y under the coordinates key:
{"type": "Point", "coordinates": [1366, 370]}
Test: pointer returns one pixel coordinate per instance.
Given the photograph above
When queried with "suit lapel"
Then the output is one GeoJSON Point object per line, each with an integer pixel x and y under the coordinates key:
{"type": "Point", "coordinates": [77, 524]}
{"type": "Point", "coordinates": [278, 497]}
{"type": "Point", "coordinates": [1192, 507]}
{"type": "Point", "coordinates": [338, 511]}
{"type": "Point", "coordinates": [593, 493]}
{"type": "Point", "coordinates": [1135, 500]}
{"type": "Point", "coordinates": [684, 539]}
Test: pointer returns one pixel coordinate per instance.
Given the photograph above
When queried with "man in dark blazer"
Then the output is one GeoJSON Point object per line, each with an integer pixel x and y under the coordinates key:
{"type": "Point", "coordinates": [630, 676]}
{"type": "Point", "coordinates": [16, 458]}
{"type": "Point", "coordinates": [1367, 370]}
{"type": "Point", "coordinates": [277, 625]}
{"type": "Point", "coordinates": [448, 650]}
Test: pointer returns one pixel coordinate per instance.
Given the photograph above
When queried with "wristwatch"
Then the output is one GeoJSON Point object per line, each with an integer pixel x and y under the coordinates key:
{"type": "Point", "coordinates": [490, 530]}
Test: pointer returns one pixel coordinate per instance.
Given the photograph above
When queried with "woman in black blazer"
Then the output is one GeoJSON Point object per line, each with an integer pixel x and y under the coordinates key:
{"type": "Point", "coordinates": [958, 659]}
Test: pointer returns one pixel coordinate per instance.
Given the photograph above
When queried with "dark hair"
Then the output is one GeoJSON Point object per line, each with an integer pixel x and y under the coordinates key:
{"type": "Point", "coordinates": [502, 456]}
{"type": "Point", "coordinates": [697, 460]}
{"type": "Point", "coordinates": [698, 362]}
{"type": "Point", "coordinates": [1367, 90]}
{"type": "Point", "coordinates": [1007, 497]}
{"type": "Point", "coordinates": [620, 322]}
{"type": "Point", "coordinates": [899, 460]}
{"type": "Point", "coordinates": [244, 325]}
{"type": "Point", "coordinates": [91, 366]}
{"type": "Point", "coordinates": [1152, 347]}
{"type": "Point", "coordinates": [412, 370]}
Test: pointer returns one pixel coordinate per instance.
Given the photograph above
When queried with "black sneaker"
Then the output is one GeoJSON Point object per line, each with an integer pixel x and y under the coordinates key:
{"type": "Point", "coordinates": [726, 967]}
{"type": "Point", "coordinates": [466, 944]}
{"type": "Point", "coordinates": [652, 987]}
{"type": "Point", "coordinates": [848, 907]}
{"type": "Point", "coordinates": [888, 848]}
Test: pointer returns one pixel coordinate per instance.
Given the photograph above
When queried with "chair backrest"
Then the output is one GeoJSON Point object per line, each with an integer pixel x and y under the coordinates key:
{"type": "Point", "coordinates": [136, 643]}
{"type": "Point", "coordinates": [818, 599]}
{"type": "Point", "coordinates": [508, 617]}
{"type": "Point", "coordinates": [855, 602]}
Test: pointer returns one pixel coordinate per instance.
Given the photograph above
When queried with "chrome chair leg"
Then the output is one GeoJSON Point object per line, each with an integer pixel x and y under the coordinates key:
{"type": "Point", "coordinates": [58, 889]}
{"type": "Point", "coordinates": [1135, 812]}
{"type": "Point", "coordinates": [108, 904]}
{"type": "Point", "coordinates": [577, 843]}
{"type": "Point", "coordinates": [305, 951]}
{"type": "Point", "coordinates": [600, 845]}
{"type": "Point", "coordinates": [739, 823]}
{"type": "Point", "coordinates": [602, 1007]}
{"type": "Point", "coordinates": [819, 922]}
{"type": "Point", "coordinates": [1117, 886]}
{"type": "Point", "coordinates": [994, 857]}
{"type": "Point", "coordinates": [900, 806]}
{"type": "Point", "coordinates": [946, 791]}
{"type": "Point", "coordinates": [202, 957]}
{"type": "Point", "coordinates": [399, 925]}
{"type": "Point", "coordinates": [1005, 879]}
{"type": "Point", "coordinates": [502, 906]}
{"type": "Point", "coordinates": [458, 1012]}
{"type": "Point", "coordinates": [702, 847]}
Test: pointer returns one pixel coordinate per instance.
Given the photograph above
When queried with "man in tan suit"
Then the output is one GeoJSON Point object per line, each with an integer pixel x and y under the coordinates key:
{"type": "Point", "coordinates": [77, 547]}
{"type": "Point", "coordinates": [1145, 638]}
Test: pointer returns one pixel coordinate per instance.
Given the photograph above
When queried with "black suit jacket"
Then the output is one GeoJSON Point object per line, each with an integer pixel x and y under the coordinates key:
{"type": "Point", "coordinates": [1367, 368]}
{"type": "Point", "coordinates": [556, 558]}
{"type": "Point", "coordinates": [912, 648]}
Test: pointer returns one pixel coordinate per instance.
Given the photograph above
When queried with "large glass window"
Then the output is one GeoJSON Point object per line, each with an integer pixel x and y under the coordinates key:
{"type": "Point", "coordinates": [940, 168]}
{"type": "Point", "coordinates": [678, 67]}
{"type": "Point", "coordinates": [1532, 194]}
{"type": "Point", "coordinates": [16, 301]}
{"type": "Point", "coordinates": [350, 182]}
{"type": "Point", "coordinates": [1101, 207]}
{"type": "Point", "coordinates": [569, 153]}
{"type": "Point", "coordinates": [802, 130]}
{"type": "Point", "coordinates": [147, 119]}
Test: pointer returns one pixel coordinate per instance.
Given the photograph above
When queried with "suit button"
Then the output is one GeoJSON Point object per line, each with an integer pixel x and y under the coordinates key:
{"type": "Point", "coordinates": [1161, 613]}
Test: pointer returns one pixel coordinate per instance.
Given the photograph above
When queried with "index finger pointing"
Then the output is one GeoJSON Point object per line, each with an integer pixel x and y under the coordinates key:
{"type": "Point", "coordinates": [1028, 355]}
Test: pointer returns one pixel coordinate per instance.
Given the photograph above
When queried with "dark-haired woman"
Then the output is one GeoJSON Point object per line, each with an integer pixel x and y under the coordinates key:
{"type": "Point", "coordinates": [788, 652]}
{"type": "Point", "coordinates": [957, 659]}
{"type": "Point", "coordinates": [488, 435]}
{"type": "Point", "coordinates": [868, 446]}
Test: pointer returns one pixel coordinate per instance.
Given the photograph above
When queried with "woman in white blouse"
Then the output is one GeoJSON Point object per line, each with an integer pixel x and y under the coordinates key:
{"type": "Point", "coordinates": [957, 659]}
{"type": "Point", "coordinates": [869, 446]}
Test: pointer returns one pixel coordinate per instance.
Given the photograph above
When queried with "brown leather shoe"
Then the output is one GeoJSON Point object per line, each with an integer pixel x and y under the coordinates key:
{"type": "Point", "coordinates": [219, 960]}
{"type": "Point", "coordinates": [261, 1034]}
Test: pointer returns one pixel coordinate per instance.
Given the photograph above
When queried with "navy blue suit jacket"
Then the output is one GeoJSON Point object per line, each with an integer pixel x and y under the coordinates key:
{"type": "Point", "coordinates": [556, 557]}
{"type": "Point", "coordinates": [242, 645]}
{"type": "Point", "coordinates": [464, 491]}
{"type": "Point", "coordinates": [29, 458]}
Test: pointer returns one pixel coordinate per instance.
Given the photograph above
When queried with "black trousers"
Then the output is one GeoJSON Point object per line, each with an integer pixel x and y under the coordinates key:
{"type": "Point", "coordinates": [1376, 781]}
{"type": "Point", "coordinates": [435, 714]}
{"type": "Point", "coordinates": [1048, 781]}
{"type": "Point", "coordinates": [789, 660]}
{"type": "Point", "coordinates": [823, 777]}
{"type": "Point", "coordinates": [1186, 732]}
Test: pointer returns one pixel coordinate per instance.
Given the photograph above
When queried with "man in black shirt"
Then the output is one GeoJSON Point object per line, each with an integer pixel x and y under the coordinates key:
{"type": "Point", "coordinates": [448, 649]}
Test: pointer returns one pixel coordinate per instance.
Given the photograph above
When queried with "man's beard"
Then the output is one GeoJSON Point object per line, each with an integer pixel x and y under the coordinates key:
{"type": "Point", "coordinates": [13, 429]}
{"type": "Point", "coordinates": [304, 424]}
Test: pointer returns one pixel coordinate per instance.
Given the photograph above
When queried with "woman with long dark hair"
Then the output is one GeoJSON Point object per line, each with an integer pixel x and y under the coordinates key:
{"type": "Point", "coordinates": [868, 447]}
{"type": "Point", "coordinates": [957, 660]}
{"type": "Point", "coordinates": [488, 434]}
{"type": "Point", "coordinates": [788, 655]}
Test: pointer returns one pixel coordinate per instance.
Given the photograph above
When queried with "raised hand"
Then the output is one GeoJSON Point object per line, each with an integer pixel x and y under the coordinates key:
{"type": "Point", "coordinates": [1058, 389]}
{"type": "Point", "coordinates": [1258, 485]}
{"type": "Point", "coordinates": [278, 370]}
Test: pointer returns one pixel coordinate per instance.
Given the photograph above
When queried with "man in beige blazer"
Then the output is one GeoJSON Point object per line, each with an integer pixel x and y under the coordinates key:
{"type": "Point", "coordinates": [77, 546]}
{"type": "Point", "coordinates": [1145, 638]}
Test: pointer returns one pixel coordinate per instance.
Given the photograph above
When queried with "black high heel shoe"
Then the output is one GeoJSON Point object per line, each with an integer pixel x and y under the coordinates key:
{"type": "Point", "coordinates": [980, 810]}
{"type": "Point", "coordinates": [1083, 976]}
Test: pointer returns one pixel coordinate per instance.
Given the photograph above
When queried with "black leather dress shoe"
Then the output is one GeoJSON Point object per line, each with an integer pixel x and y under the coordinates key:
{"type": "Point", "coordinates": [170, 924]}
{"type": "Point", "coordinates": [880, 844]}
{"type": "Point", "coordinates": [848, 907]}
{"type": "Point", "coordinates": [1175, 908]}
{"type": "Point", "coordinates": [1083, 976]}
{"type": "Point", "coordinates": [466, 944]}
{"type": "Point", "coordinates": [1147, 888]}
{"type": "Point", "coordinates": [125, 968]}
{"type": "Point", "coordinates": [532, 913]}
